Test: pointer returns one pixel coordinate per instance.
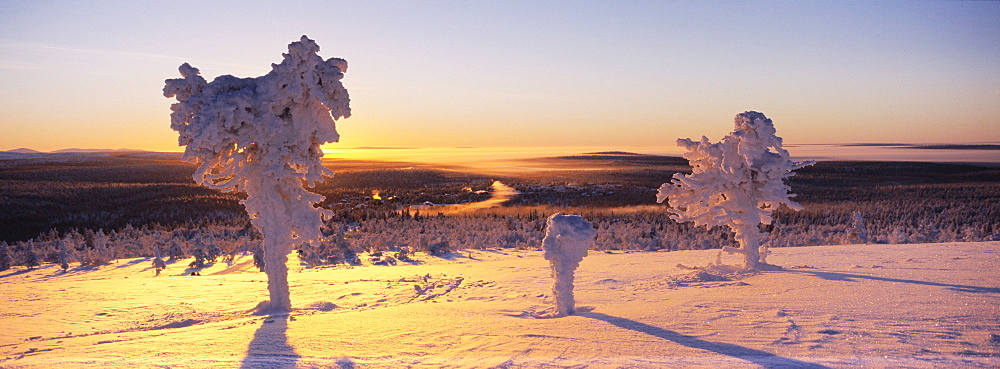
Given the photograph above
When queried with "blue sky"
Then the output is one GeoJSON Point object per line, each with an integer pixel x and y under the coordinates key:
{"type": "Point", "coordinates": [557, 73]}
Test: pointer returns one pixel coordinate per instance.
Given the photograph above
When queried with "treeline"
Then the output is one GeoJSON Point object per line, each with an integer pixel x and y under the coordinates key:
{"type": "Point", "coordinates": [393, 233]}
{"type": "Point", "coordinates": [210, 242]}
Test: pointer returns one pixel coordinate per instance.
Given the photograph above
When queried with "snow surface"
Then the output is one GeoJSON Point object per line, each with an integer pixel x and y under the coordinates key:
{"type": "Point", "coordinates": [919, 306]}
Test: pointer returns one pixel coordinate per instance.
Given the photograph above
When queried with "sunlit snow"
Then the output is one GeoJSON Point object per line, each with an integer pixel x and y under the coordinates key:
{"type": "Point", "coordinates": [920, 306]}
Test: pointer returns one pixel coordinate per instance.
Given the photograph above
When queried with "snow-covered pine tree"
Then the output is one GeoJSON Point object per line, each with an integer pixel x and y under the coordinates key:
{"type": "Point", "coordinates": [101, 249]}
{"type": "Point", "coordinates": [199, 257]}
{"type": "Point", "coordinates": [31, 259]}
{"type": "Point", "coordinates": [6, 260]}
{"type": "Point", "coordinates": [859, 232]}
{"type": "Point", "coordinates": [175, 251]}
{"type": "Point", "coordinates": [736, 183]}
{"type": "Point", "coordinates": [63, 256]}
{"type": "Point", "coordinates": [262, 136]}
{"type": "Point", "coordinates": [158, 264]}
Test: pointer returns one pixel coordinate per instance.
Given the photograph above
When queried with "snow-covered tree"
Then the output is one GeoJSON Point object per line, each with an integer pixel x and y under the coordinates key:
{"type": "Point", "coordinates": [98, 250]}
{"type": "Point", "coordinates": [175, 251]}
{"type": "Point", "coordinates": [736, 183]}
{"type": "Point", "coordinates": [567, 238]}
{"type": "Point", "coordinates": [199, 258]}
{"type": "Point", "coordinates": [31, 258]}
{"type": "Point", "coordinates": [859, 232]}
{"type": "Point", "coordinates": [6, 260]}
{"type": "Point", "coordinates": [63, 256]}
{"type": "Point", "coordinates": [158, 263]}
{"type": "Point", "coordinates": [262, 136]}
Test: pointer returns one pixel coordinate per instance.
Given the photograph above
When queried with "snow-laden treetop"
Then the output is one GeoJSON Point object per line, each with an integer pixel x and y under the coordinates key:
{"type": "Point", "coordinates": [277, 121]}
{"type": "Point", "coordinates": [737, 181]}
{"type": "Point", "coordinates": [567, 238]}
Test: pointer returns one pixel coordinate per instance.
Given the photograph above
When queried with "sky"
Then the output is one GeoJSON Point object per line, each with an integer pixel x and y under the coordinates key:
{"type": "Point", "coordinates": [89, 74]}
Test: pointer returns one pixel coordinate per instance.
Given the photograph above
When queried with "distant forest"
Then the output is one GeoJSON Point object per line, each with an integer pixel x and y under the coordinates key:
{"type": "Point", "coordinates": [100, 208]}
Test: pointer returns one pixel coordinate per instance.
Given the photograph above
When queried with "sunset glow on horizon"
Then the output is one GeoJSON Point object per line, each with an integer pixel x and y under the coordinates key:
{"type": "Point", "coordinates": [535, 76]}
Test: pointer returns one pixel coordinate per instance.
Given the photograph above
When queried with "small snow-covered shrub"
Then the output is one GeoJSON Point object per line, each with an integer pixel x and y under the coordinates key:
{"type": "Point", "coordinates": [439, 247]}
{"type": "Point", "coordinates": [567, 239]}
{"type": "Point", "coordinates": [859, 232]}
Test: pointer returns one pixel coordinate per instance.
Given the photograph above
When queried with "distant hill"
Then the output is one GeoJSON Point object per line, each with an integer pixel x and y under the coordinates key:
{"type": "Point", "coordinates": [974, 146]}
{"type": "Point", "coordinates": [75, 150]}
{"type": "Point", "coordinates": [959, 147]}
{"type": "Point", "coordinates": [613, 153]}
{"type": "Point", "coordinates": [25, 151]}
{"type": "Point", "coordinates": [627, 157]}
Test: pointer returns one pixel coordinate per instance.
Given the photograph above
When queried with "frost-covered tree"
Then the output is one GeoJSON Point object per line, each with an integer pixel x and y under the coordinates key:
{"type": "Point", "coordinates": [158, 263]}
{"type": "Point", "coordinates": [98, 250]}
{"type": "Point", "coordinates": [567, 239]}
{"type": "Point", "coordinates": [175, 251]}
{"type": "Point", "coordinates": [859, 232]}
{"type": "Point", "coordinates": [6, 260]}
{"type": "Point", "coordinates": [204, 251]}
{"type": "Point", "coordinates": [31, 259]}
{"type": "Point", "coordinates": [199, 258]}
{"type": "Point", "coordinates": [63, 256]}
{"type": "Point", "coordinates": [736, 183]}
{"type": "Point", "coordinates": [262, 136]}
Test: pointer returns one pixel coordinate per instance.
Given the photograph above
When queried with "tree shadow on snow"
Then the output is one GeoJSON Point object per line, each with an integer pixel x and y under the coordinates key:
{"type": "Point", "coordinates": [848, 277]}
{"type": "Point", "coordinates": [190, 269]}
{"type": "Point", "coordinates": [269, 347]}
{"type": "Point", "coordinates": [134, 262]}
{"type": "Point", "coordinates": [451, 255]}
{"type": "Point", "coordinates": [19, 272]}
{"type": "Point", "coordinates": [763, 358]}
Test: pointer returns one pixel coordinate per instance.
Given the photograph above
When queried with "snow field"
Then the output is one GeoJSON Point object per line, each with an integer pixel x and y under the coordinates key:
{"type": "Point", "coordinates": [922, 306]}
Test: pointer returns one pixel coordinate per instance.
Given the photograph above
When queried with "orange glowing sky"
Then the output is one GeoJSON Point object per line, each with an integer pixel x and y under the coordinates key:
{"type": "Point", "coordinates": [516, 74]}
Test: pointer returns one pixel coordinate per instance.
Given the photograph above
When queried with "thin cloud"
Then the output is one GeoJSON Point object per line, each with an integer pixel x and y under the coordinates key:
{"type": "Point", "coordinates": [20, 66]}
{"type": "Point", "coordinates": [37, 48]}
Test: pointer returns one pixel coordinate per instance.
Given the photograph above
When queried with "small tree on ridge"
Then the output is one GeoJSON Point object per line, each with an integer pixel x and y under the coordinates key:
{"type": "Point", "coordinates": [262, 136]}
{"type": "Point", "coordinates": [737, 182]}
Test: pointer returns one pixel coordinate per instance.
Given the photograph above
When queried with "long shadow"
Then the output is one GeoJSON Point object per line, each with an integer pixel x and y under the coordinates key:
{"type": "Point", "coordinates": [134, 262]}
{"type": "Point", "coordinates": [762, 358]}
{"type": "Point", "coordinates": [56, 271]}
{"type": "Point", "coordinates": [19, 272]}
{"type": "Point", "coordinates": [269, 347]}
{"type": "Point", "coordinates": [451, 256]}
{"type": "Point", "coordinates": [847, 277]}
